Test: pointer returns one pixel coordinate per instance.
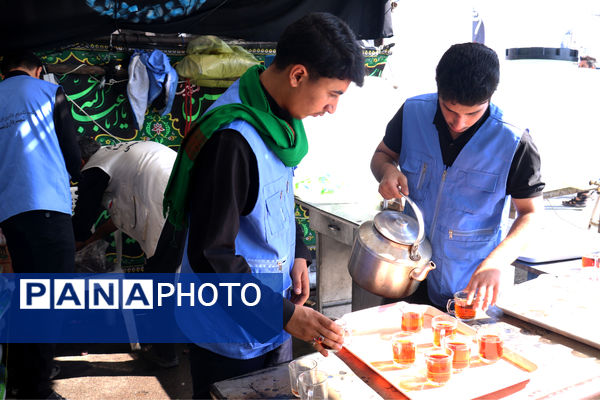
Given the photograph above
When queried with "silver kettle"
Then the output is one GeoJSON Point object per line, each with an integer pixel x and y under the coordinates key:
{"type": "Point", "coordinates": [391, 255]}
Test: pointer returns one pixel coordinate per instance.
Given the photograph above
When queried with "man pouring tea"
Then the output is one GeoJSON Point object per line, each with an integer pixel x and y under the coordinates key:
{"type": "Point", "coordinates": [462, 161]}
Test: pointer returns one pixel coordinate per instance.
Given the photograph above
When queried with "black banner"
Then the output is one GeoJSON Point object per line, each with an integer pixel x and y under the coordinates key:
{"type": "Point", "coordinates": [35, 24]}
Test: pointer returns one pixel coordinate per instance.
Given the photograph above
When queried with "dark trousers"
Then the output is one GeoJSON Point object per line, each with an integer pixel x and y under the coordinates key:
{"type": "Point", "coordinates": [43, 242]}
{"type": "Point", "coordinates": [169, 250]}
{"type": "Point", "coordinates": [40, 241]}
{"type": "Point", "coordinates": [208, 367]}
{"type": "Point", "coordinates": [28, 368]}
{"type": "Point", "coordinates": [167, 257]}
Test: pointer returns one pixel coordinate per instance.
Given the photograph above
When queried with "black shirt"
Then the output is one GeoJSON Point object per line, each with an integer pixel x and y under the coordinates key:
{"type": "Point", "coordinates": [524, 177]}
{"type": "Point", "coordinates": [224, 186]}
{"type": "Point", "coordinates": [65, 131]}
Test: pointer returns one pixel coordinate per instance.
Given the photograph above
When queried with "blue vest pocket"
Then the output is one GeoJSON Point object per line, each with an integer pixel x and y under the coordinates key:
{"type": "Point", "coordinates": [415, 170]}
{"type": "Point", "coordinates": [277, 215]}
{"type": "Point", "coordinates": [477, 189]}
{"type": "Point", "coordinates": [470, 245]}
{"type": "Point", "coordinates": [485, 181]}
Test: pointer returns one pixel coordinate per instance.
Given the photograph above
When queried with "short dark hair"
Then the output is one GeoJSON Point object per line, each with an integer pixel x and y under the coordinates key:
{"type": "Point", "coordinates": [325, 45]}
{"type": "Point", "coordinates": [20, 58]}
{"type": "Point", "coordinates": [468, 74]}
{"type": "Point", "coordinates": [87, 147]}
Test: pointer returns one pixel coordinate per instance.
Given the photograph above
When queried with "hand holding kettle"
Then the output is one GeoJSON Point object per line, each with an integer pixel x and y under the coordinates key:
{"type": "Point", "coordinates": [392, 183]}
{"type": "Point", "coordinates": [384, 166]}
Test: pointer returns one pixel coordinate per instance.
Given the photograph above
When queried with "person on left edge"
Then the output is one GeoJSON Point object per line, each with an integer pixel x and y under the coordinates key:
{"type": "Point", "coordinates": [38, 152]}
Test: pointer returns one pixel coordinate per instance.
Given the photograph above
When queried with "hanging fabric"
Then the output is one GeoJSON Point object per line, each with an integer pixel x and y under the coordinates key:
{"type": "Point", "coordinates": [152, 79]}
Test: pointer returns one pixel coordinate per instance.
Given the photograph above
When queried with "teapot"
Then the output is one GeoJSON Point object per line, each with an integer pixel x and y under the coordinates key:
{"type": "Point", "coordinates": [391, 255]}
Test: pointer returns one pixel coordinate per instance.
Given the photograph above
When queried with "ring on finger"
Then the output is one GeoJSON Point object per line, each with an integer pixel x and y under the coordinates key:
{"type": "Point", "coordinates": [318, 339]}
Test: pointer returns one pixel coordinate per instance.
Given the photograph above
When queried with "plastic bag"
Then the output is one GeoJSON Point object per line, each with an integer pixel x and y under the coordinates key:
{"type": "Point", "coordinates": [213, 63]}
{"type": "Point", "coordinates": [92, 258]}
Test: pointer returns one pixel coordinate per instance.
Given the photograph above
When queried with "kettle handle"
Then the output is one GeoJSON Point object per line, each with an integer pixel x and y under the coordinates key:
{"type": "Point", "coordinates": [414, 253]}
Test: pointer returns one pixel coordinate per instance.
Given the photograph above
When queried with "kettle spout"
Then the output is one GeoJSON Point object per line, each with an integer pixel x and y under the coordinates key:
{"type": "Point", "coordinates": [420, 273]}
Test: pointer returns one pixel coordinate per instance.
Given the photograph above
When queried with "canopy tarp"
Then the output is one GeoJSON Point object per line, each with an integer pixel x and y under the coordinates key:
{"type": "Point", "coordinates": [35, 24]}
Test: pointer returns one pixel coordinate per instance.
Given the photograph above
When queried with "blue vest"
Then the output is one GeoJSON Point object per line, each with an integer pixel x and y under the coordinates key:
{"type": "Point", "coordinates": [462, 205]}
{"type": "Point", "coordinates": [32, 167]}
{"type": "Point", "coordinates": [267, 236]}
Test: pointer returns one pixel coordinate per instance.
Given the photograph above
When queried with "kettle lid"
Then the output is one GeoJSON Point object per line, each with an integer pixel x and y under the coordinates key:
{"type": "Point", "coordinates": [397, 226]}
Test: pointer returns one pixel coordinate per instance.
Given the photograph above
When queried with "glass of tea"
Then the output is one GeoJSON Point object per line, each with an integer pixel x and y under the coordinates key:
{"type": "Point", "coordinates": [312, 385]}
{"type": "Point", "coordinates": [459, 306]}
{"type": "Point", "coordinates": [490, 343]}
{"type": "Point", "coordinates": [346, 332]}
{"type": "Point", "coordinates": [591, 260]}
{"type": "Point", "coordinates": [295, 368]}
{"type": "Point", "coordinates": [443, 325]}
{"type": "Point", "coordinates": [404, 349]}
{"type": "Point", "coordinates": [412, 318]}
{"type": "Point", "coordinates": [461, 347]}
{"type": "Point", "coordinates": [439, 365]}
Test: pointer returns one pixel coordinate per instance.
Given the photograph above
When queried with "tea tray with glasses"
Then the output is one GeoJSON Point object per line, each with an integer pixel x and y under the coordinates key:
{"type": "Point", "coordinates": [568, 305]}
{"type": "Point", "coordinates": [372, 333]}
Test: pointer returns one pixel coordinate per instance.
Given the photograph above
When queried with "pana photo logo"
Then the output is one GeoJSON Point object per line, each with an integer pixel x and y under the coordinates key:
{"type": "Point", "coordinates": [72, 294]}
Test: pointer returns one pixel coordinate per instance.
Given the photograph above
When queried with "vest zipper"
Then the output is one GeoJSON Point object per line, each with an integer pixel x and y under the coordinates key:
{"type": "Point", "coordinates": [422, 177]}
{"type": "Point", "coordinates": [452, 232]}
{"type": "Point", "coordinates": [437, 204]}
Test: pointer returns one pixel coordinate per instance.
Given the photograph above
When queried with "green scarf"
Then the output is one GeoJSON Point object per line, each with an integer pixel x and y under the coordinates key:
{"type": "Point", "coordinates": [289, 143]}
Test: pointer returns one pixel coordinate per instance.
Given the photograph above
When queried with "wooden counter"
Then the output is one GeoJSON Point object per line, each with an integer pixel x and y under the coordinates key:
{"type": "Point", "coordinates": [567, 369]}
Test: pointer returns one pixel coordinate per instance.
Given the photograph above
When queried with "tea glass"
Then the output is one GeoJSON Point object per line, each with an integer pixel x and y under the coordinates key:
{"type": "Point", "coordinates": [412, 318]}
{"type": "Point", "coordinates": [439, 365]}
{"type": "Point", "coordinates": [591, 260]}
{"type": "Point", "coordinates": [461, 347]}
{"type": "Point", "coordinates": [443, 325]}
{"type": "Point", "coordinates": [346, 333]}
{"type": "Point", "coordinates": [312, 385]}
{"type": "Point", "coordinates": [459, 307]}
{"type": "Point", "coordinates": [295, 368]}
{"type": "Point", "coordinates": [404, 349]}
{"type": "Point", "coordinates": [490, 343]}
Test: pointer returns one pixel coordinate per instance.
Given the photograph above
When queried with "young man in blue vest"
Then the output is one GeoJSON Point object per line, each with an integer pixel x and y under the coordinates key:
{"type": "Point", "coordinates": [38, 152]}
{"type": "Point", "coordinates": [240, 201]}
{"type": "Point", "coordinates": [461, 161]}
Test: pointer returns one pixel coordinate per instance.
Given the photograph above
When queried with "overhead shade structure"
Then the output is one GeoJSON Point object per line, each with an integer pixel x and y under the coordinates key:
{"type": "Point", "coordinates": [542, 53]}
{"type": "Point", "coordinates": [35, 24]}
